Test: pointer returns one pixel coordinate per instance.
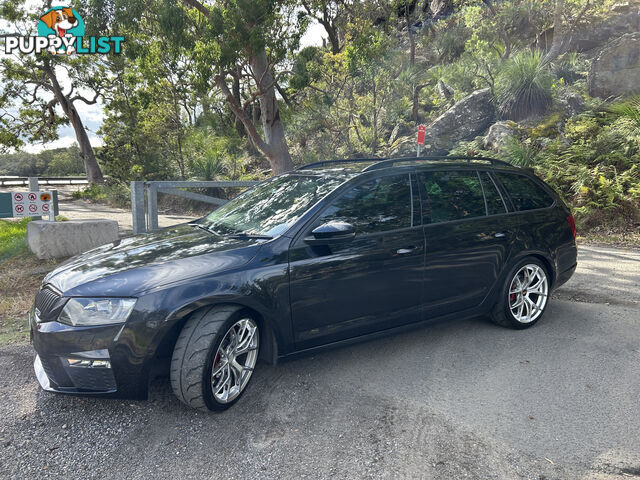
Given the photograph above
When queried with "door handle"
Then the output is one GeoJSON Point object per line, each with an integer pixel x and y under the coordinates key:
{"type": "Point", "coordinates": [500, 235]}
{"type": "Point", "coordinates": [403, 251]}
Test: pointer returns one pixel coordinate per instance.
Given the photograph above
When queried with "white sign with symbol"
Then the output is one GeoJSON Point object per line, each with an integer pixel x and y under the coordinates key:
{"type": "Point", "coordinates": [31, 204]}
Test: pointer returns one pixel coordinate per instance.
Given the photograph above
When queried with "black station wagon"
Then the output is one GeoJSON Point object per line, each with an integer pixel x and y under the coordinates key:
{"type": "Point", "coordinates": [330, 253]}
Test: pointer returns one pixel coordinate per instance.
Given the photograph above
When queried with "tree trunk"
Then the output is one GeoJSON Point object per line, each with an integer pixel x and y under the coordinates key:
{"type": "Point", "coordinates": [415, 115]}
{"type": "Point", "coordinates": [91, 167]}
{"type": "Point", "coordinates": [278, 151]}
{"type": "Point", "coordinates": [332, 33]}
{"type": "Point", "coordinates": [236, 93]}
{"type": "Point", "coordinates": [374, 143]}
{"type": "Point", "coordinates": [274, 146]}
{"type": "Point", "coordinates": [558, 35]}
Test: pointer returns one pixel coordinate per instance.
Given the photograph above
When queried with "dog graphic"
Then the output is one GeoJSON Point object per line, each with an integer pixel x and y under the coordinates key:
{"type": "Point", "coordinates": [60, 21]}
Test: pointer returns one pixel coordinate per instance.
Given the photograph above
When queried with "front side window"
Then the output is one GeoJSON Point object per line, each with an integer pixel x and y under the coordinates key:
{"type": "Point", "coordinates": [375, 206]}
{"type": "Point", "coordinates": [271, 207]}
{"type": "Point", "coordinates": [452, 195]}
{"type": "Point", "coordinates": [524, 192]}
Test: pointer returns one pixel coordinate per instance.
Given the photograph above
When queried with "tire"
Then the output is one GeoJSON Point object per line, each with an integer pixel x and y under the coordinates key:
{"type": "Point", "coordinates": [207, 341]}
{"type": "Point", "coordinates": [524, 296]}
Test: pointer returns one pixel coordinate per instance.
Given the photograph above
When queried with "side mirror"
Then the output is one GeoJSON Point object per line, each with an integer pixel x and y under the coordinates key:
{"type": "Point", "coordinates": [331, 233]}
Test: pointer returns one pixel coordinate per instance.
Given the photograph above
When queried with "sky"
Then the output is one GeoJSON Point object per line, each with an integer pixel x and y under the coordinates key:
{"type": "Point", "coordinates": [92, 115]}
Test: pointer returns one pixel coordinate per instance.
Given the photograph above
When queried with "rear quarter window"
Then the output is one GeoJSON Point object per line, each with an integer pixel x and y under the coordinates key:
{"type": "Point", "coordinates": [525, 193]}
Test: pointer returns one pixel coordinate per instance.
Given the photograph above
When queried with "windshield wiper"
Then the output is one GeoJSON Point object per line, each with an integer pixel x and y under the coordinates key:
{"type": "Point", "coordinates": [202, 227]}
{"type": "Point", "coordinates": [243, 235]}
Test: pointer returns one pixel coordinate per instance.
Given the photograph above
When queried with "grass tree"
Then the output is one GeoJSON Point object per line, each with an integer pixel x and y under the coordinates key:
{"type": "Point", "coordinates": [523, 86]}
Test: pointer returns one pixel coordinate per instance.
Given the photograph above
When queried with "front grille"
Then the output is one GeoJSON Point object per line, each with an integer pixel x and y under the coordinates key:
{"type": "Point", "coordinates": [48, 303]}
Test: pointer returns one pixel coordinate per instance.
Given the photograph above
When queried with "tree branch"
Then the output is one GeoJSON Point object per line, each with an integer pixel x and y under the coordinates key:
{"type": "Point", "coordinates": [237, 109]}
{"type": "Point", "coordinates": [198, 6]}
{"type": "Point", "coordinates": [86, 100]}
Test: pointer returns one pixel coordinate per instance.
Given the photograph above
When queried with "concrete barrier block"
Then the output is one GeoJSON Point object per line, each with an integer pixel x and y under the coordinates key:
{"type": "Point", "coordinates": [65, 239]}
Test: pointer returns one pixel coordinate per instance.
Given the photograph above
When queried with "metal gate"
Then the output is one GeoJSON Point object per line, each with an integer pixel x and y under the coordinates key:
{"type": "Point", "coordinates": [144, 198]}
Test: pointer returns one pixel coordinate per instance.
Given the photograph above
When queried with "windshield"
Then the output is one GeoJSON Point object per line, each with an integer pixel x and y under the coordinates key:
{"type": "Point", "coordinates": [272, 207]}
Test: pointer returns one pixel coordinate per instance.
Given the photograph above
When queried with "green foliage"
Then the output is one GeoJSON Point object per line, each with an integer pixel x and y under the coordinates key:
{"type": "Point", "coordinates": [213, 157]}
{"type": "Point", "coordinates": [523, 86]}
{"type": "Point", "coordinates": [115, 194]}
{"type": "Point", "coordinates": [522, 154]}
{"type": "Point", "coordinates": [628, 109]}
{"type": "Point", "coordinates": [56, 162]}
{"type": "Point", "coordinates": [569, 69]}
{"type": "Point", "coordinates": [598, 171]}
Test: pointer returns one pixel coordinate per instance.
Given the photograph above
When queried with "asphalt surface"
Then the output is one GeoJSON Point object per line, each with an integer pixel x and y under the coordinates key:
{"type": "Point", "coordinates": [465, 399]}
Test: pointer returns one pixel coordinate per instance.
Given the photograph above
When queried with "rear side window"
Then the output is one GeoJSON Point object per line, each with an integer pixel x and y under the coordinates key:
{"type": "Point", "coordinates": [524, 192]}
{"type": "Point", "coordinates": [452, 195]}
{"type": "Point", "coordinates": [495, 204]}
{"type": "Point", "coordinates": [376, 206]}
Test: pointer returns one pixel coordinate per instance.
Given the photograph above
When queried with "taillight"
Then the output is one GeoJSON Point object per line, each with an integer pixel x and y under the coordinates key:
{"type": "Point", "coordinates": [572, 225]}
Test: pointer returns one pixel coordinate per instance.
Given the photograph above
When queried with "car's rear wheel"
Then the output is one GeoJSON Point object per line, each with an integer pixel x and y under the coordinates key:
{"type": "Point", "coordinates": [214, 357]}
{"type": "Point", "coordinates": [524, 296]}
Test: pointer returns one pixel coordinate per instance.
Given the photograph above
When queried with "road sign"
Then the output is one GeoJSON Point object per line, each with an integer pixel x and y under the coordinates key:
{"type": "Point", "coordinates": [421, 134]}
{"type": "Point", "coordinates": [31, 204]}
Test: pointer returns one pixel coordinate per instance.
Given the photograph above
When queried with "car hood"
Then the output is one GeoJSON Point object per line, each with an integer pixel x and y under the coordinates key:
{"type": "Point", "coordinates": [133, 265]}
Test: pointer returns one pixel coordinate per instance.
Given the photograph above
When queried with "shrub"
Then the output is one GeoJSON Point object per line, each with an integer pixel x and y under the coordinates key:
{"type": "Point", "coordinates": [519, 153]}
{"type": "Point", "coordinates": [628, 109]}
{"type": "Point", "coordinates": [523, 87]}
{"type": "Point", "coordinates": [114, 194]}
{"type": "Point", "coordinates": [568, 69]}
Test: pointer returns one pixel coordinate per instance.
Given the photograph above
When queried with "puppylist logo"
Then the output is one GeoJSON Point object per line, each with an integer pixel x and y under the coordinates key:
{"type": "Point", "coordinates": [61, 31]}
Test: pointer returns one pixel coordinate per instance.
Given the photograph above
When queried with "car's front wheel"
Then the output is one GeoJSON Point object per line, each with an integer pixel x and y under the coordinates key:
{"type": "Point", "coordinates": [214, 357]}
{"type": "Point", "coordinates": [524, 296]}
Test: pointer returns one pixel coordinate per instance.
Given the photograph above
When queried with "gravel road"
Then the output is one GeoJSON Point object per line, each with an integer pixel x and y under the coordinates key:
{"type": "Point", "coordinates": [465, 399]}
{"type": "Point", "coordinates": [82, 209]}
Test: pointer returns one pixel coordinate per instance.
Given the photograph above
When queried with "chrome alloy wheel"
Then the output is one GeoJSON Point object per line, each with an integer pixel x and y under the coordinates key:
{"type": "Point", "coordinates": [235, 360]}
{"type": "Point", "coordinates": [528, 293]}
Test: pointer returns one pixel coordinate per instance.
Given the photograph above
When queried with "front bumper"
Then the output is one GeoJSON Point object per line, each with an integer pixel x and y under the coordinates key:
{"type": "Point", "coordinates": [85, 360]}
{"type": "Point", "coordinates": [58, 374]}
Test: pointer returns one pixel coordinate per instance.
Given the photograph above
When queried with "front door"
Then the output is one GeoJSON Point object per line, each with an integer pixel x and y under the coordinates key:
{"type": "Point", "coordinates": [373, 282]}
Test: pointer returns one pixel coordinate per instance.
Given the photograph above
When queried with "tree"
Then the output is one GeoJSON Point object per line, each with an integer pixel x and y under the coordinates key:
{"type": "Point", "coordinates": [244, 40]}
{"type": "Point", "coordinates": [332, 15]}
{"type": "Point", "coordinates": [567, 17]}
{"type": "Point", "coordinates": [32, 90]}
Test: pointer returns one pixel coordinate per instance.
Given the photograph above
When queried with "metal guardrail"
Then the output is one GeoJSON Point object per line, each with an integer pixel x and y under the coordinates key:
{"type": "Point", "coordinates": [11, 181]}
{"type": "Point", "coordinates": [144, 198]}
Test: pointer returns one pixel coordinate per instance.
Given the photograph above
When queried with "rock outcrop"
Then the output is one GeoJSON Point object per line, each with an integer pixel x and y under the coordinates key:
{"type": "Point", "coordinates": [465, 120]}
{"type": "Point", "coordinates": [499, 133]}
{"type": "Point", "coordinates": [616, 69]}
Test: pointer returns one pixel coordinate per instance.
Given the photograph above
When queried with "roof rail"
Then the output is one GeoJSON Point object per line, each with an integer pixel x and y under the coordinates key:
{"type": "Point", "coordinates": [388, 162]}
{"type": "Point", "coordinates": [391, 161]}
{"type": "Point", "coordinates": [334, 162]}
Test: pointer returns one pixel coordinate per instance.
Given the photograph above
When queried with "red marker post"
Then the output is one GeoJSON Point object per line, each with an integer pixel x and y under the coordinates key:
{"type": "Point", "coordinates": [421, 134]}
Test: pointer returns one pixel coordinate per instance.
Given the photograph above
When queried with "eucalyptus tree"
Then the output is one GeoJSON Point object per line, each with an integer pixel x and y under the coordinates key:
{"type": "Point", "coordinates": [35, 85]}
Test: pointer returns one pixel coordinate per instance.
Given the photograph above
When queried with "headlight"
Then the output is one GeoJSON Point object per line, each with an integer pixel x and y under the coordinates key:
{"type": "Point", "coordinates": [82, 312]}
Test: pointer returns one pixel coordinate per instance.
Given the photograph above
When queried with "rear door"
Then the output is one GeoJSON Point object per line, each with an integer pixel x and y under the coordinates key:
{"type": "Point", "coordinates": [468, 236]}
{"type": "Point", "coordinates": [372, 283]}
